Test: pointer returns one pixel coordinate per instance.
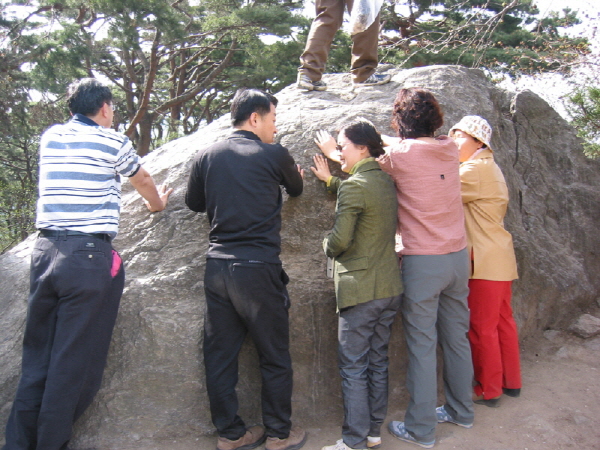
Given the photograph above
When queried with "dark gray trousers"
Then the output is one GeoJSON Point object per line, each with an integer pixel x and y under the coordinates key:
{"type": "Point", "coordinates": [363, 336]}
{"type": "Point", "coordinates": [247, 297]}
{"type": "Point", "coordinates": [73, 305]}
{"type": "Point", "coordinates": [434, 309]}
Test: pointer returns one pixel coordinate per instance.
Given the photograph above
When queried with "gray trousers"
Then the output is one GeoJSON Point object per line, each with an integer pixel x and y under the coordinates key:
{"type": "Point", "coordinates": [434, 309]}
{"type": "Point", "coordinates": [363, 335]}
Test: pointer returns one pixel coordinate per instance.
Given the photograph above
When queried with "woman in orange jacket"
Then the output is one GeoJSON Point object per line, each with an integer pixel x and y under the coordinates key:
{"type": "Point", "coordinates": [493, 331]}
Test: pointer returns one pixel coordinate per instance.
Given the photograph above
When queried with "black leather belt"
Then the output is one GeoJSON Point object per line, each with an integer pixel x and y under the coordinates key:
{"type": "Point", "coordinates": [63, 233]}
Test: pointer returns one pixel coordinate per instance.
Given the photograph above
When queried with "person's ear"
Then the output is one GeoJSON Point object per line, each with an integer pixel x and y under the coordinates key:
{"type": "Point", "coordinates": [106, 109]}
{"type": "Point", "coordinates": [253, 119]}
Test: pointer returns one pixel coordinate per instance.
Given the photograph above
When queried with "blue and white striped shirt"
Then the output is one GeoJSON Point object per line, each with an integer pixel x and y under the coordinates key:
{"type": "Point", "coordinates": [80, 185]}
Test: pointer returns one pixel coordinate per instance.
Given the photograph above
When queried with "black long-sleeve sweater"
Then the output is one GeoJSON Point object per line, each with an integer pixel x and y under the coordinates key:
{"type": "Point", "coordinates": [237, 183]}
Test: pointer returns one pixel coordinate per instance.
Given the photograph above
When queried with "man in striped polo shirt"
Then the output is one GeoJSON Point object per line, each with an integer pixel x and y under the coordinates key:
{"type": "Point", "coordinates": [76, 276]}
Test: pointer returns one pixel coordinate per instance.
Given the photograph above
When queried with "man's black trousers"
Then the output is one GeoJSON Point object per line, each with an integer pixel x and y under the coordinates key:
{"type": "Point", "coordinates": [73, 305]}
{"type": "Point", "coordinates": [247, 297]}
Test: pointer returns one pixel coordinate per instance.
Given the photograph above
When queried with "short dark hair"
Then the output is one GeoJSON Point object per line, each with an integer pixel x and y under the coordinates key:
{"type": "Point", "coordinates": [247, 101]}
{"type": "Point", "coordinates": [86, 96]}
{"type": "Point", "coordinates": [416, 113]}
{"type": "Point", "coordinates": [363, 132]}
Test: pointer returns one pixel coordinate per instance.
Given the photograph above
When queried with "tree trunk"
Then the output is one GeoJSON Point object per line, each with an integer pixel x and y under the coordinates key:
{"type": "Point", "coordinates": [145, 134]}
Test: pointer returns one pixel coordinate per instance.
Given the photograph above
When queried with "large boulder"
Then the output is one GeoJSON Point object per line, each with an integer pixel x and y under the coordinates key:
{"type": "Point", "coordinates": [154, 387]}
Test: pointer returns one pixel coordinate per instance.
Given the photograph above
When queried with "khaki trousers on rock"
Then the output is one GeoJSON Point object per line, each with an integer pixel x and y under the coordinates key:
{"type": "Point", "coordinates": [330, 14]}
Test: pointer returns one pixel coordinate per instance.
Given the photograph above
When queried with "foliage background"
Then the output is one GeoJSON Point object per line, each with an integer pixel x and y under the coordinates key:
{"type": "Point", "coordinates": [175, 65]}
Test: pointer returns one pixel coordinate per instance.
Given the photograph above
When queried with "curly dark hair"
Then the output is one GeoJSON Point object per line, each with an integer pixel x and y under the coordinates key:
{"type": "Point", "coordinates": [416, 113]}
{"type": "Point", "coordinates": [363, 132]}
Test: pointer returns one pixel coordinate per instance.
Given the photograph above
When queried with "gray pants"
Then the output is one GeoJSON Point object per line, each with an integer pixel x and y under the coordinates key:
{"type": "Point", "coordinates": [364, 335]}
{"type": "Point", "coordinates": [434, 308]}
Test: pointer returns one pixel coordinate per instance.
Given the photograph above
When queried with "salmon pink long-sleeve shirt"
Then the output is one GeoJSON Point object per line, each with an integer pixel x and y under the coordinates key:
{"type": "Point", "coordinates": [430, 212]}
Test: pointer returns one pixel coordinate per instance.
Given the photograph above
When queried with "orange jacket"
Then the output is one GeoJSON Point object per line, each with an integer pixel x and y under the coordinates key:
{"type": "Point", "coordinates": [485, 199]}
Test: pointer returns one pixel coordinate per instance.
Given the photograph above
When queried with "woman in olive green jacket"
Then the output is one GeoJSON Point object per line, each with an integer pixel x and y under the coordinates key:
{"type": "Point", "coordinates": [366, 276]}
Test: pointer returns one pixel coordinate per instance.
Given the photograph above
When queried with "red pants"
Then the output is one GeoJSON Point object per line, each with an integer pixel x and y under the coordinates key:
{"type": "Point", "coordinates": [494, 338]}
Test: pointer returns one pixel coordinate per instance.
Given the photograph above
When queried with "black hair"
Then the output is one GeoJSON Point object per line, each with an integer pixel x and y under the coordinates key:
{"type": "Point", "coordinates": [363, 132]}
{"type": "Point", "coordinates": [248, 101]}
{"type": "Point", "coordinates": [86, 96]}
{"type": "Point", "coordinates": [416, 113]}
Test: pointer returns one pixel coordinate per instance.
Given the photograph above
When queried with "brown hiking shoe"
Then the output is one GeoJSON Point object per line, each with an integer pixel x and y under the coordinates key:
{"type": "Point", "coordinates": [294, 441]}
{"type": "Point", "coordinates": [253, 438]}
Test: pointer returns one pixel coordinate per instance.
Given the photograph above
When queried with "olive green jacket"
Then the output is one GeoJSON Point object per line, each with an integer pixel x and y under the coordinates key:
{"type": "Point", "coordinates": [363, 237]}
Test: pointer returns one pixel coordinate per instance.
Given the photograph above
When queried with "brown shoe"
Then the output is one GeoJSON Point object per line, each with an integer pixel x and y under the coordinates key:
{"type": "Point", "coordinates": [253, 438]}
{"type": "Point", "coordinates": [294, 441]}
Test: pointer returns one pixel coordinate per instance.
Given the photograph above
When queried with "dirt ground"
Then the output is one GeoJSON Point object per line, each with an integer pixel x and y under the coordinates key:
{"type": "Point", "coordinates": [559, 407]}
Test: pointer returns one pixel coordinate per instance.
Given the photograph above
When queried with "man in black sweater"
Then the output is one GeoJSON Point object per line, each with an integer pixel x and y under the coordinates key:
{"type": "Point", "coordinates": [237, 183]}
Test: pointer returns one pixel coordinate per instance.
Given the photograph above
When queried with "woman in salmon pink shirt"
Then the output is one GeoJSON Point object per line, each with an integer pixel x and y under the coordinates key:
{"type": "Point", "coordinates": [435, 267]}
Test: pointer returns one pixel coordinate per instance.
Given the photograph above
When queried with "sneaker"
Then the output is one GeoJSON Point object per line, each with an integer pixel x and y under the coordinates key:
{"type": "Point", "coordinates": [374, 80]}
{"type": "Point", "coordinates": [398, 430]}
{"type": "Point", "coordinates": [294, 441]}
{"type": "Point", "coordinates": [373, 442]}
{"type": "Point", "coordinates": [306, 83]}
{"type": "Point", "coordinates": [443, 416]}
{"type": "Point", "coordinates": [253, 438]}
{"type": "Point", "coordinates": [339, 445]}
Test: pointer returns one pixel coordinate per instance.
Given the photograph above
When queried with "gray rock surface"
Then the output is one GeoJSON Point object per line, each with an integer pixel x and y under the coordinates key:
{"type": "Point", "coordinates": [586, 326]}
{"type": "Point", "coordinates": [153, 387]}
